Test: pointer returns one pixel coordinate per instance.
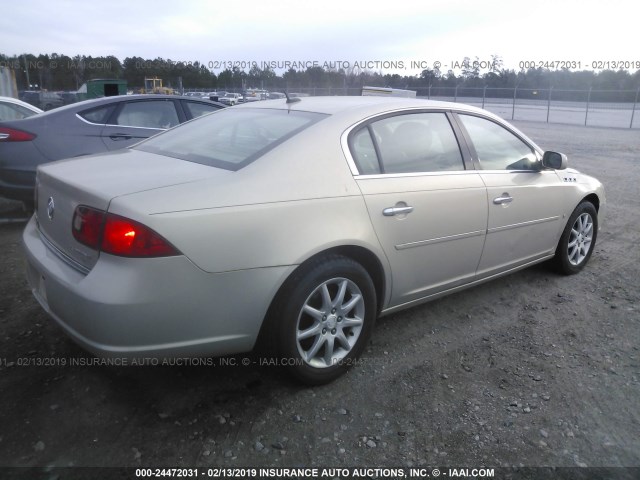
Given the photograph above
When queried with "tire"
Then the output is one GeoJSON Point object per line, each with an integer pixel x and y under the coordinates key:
{"type": "Point", "coordinates": [578, 240]}
{"type": "Point", "coordinates": [323, 319]}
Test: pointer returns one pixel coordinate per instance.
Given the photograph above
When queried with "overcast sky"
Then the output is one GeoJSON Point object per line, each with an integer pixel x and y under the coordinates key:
{"type": "Point", "coordinates": [333, 31]}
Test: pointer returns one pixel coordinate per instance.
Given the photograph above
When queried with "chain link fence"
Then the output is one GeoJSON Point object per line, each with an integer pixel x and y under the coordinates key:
{"type": "Point", "coordinates": [602, 108]}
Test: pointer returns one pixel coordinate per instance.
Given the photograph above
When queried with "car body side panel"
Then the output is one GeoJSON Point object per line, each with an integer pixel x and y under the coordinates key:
{"type": "Point", "coordinates": [438, 244]}
{"type": "Point", "coordinates": [17, 168]}
{"type": "Point", "coordinates": [579, 186]}
{"type": "Point", "coordinates": [526, 227]}
{"type": "Point", "coordinates": [67, 136]}
{"type": "Point", "coordinates": [263, 235]}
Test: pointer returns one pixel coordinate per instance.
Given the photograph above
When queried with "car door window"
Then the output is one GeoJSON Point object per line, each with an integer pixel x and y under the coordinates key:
{"type": "Point", "coordinates": [364, 153]}
{"type": "Point", "coordinates": [496, 147]}
{"type": "Point", "coordinates": [197, 109]}
{"type": "Point", "coordinates": [409, 143]}
{"type": "Point", "coordinates": [148, 114]}
{"type": "Point", "coordinates": [97, 115]}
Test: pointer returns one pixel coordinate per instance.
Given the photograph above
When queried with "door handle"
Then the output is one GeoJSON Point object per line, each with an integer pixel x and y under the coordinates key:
{"type": "Point", "coordinates": [391, 211]}
{"type": "Point", "coordinates": [504, 198]}
{"type": "Point", "coordinates": [120, 136]}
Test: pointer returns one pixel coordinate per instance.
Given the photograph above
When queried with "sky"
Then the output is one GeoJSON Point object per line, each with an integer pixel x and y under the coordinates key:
{"type": "Point", "coordinates": [373, 35]}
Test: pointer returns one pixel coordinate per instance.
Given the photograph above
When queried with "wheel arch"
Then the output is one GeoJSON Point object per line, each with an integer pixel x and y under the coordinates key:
{"type": "Point", "coordinates": [594, 199]}
{"type": "Point", "coordinates": [562, 260]}
{"type": "Point", "coordinates": [365, 257]}
{"type": "Point", "coordinates": [369, 261]}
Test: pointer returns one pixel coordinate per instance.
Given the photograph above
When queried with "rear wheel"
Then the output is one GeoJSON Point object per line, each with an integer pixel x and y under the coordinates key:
{"type": "Point", "coordinates": [578, 239]}
{"type": "Point", "coordinates": [325, 316]}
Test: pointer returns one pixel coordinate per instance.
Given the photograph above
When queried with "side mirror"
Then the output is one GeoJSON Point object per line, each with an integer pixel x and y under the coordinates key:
{"type": "Point", "coordinates": [555, 160]}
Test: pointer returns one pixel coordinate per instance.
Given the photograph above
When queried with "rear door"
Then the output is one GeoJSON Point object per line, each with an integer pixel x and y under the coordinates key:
{"type": "Point", "coordinates": [135, 120]}
{"type": "Point", "coordinates": [428, 210]}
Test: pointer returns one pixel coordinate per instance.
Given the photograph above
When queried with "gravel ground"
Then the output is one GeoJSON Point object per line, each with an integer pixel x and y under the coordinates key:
{"type": "Point", "coordinates": [534, 369]}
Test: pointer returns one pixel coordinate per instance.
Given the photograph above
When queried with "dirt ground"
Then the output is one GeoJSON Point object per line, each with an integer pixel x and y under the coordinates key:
{"type": "Point", "coordinates": [531, 370]}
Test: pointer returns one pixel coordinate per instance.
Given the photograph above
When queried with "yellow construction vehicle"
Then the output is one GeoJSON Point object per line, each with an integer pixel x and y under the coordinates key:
{"type": "Point", "coordinates": [154, 85]}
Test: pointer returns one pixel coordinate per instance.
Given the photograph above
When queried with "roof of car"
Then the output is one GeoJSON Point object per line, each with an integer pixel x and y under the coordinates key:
{"type": "Point", "coordinates": [363, 105]}
{"type": "Point", "coordinates": [96, 102]}
{"type": "Point", "coordinates": [345, 110]}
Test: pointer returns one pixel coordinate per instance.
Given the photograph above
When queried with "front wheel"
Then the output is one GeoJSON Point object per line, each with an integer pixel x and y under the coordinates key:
{"type": "Point", "coordinates": [326, 314]}
{"type": "Point", "coordinates": [578, 239]}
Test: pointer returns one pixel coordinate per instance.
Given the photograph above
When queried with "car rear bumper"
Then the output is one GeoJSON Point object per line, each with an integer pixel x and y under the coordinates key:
{"type": "Point", "coordinates": [161, 307]}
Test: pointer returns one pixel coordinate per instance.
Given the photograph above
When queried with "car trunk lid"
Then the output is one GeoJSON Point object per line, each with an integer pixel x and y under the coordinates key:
{"type": "Point", "coordinates": [94, 181]}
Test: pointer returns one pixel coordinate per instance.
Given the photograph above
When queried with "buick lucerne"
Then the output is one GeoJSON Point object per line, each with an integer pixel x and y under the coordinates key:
{"type": "Point", "coordinates": [296, 223]}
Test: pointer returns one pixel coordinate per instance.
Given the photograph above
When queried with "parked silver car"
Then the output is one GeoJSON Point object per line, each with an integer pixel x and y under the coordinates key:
{"type": "Point", "coordinates": [93, 126]}
{"type": "Point", "coordinates": [297, 223]}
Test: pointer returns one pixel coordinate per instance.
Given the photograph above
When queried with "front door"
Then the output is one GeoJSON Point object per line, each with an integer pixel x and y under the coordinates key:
{"type": "Point", "coordinates": [523, 201]}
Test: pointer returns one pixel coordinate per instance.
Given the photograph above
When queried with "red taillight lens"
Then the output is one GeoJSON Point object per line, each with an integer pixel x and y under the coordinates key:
{"type": "Point", "coordinates": [87, 226]}
{"type": "Point", "coordinates": [118, 235]}
{"type": "Point", "coordinates": [14, 135]}
{"type": "Point", "coordinates": [127, 238]}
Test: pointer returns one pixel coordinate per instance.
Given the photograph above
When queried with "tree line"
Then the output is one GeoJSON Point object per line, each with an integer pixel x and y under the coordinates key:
{"type": "Point", "coordinates": [61, 72]}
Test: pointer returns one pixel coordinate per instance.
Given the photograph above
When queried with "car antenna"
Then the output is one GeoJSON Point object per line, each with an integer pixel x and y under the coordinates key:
{"type": "Point", "coordinates": [289, 99]}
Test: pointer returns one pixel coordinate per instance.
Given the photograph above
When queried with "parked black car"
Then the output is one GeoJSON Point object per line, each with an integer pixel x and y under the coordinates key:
{"type": "Point", "coordinates": [83, 128]}
{"type": "Point", "coordinates": [43, 100]}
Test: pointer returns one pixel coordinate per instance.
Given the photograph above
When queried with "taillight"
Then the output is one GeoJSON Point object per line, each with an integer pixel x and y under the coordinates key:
{"type": "Point", "coordinates": [15, 135]}
{"type": "Point", "coordinates": [127, 238]}
{"type": "Point", "coordinates": [118, 235]}
{"type": "Point", "coordinates": [87, 226]}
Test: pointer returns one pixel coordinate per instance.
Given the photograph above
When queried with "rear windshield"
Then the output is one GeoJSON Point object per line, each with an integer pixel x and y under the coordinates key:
{"type": "Point", "coordinates": [231, 138]}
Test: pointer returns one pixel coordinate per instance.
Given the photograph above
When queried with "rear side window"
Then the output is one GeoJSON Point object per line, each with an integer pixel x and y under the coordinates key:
{"type": "Point", "coordinates": [98, 115]}
{"type": "Point", "coordinates": [148, 114]}
{"type": "Point", "coordinates": [364, 153]}
{"type": "Point", "coordinates": [407, 143]}
{"type": "Point", "coordinates": [232, 138]}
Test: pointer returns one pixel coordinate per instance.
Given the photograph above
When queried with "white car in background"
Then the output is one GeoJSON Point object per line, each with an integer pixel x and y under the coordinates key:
{"type": "Point", "coordinates": [297, 222]}
{"type": "Point", "coordinates": [230, 99]}
{"type": "Point", "coordinates": [14, 109]}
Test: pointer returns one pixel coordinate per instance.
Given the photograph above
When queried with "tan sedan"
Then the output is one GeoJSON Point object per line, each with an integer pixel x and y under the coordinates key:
{"type": "Point", "coordinates": [297, 223]}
